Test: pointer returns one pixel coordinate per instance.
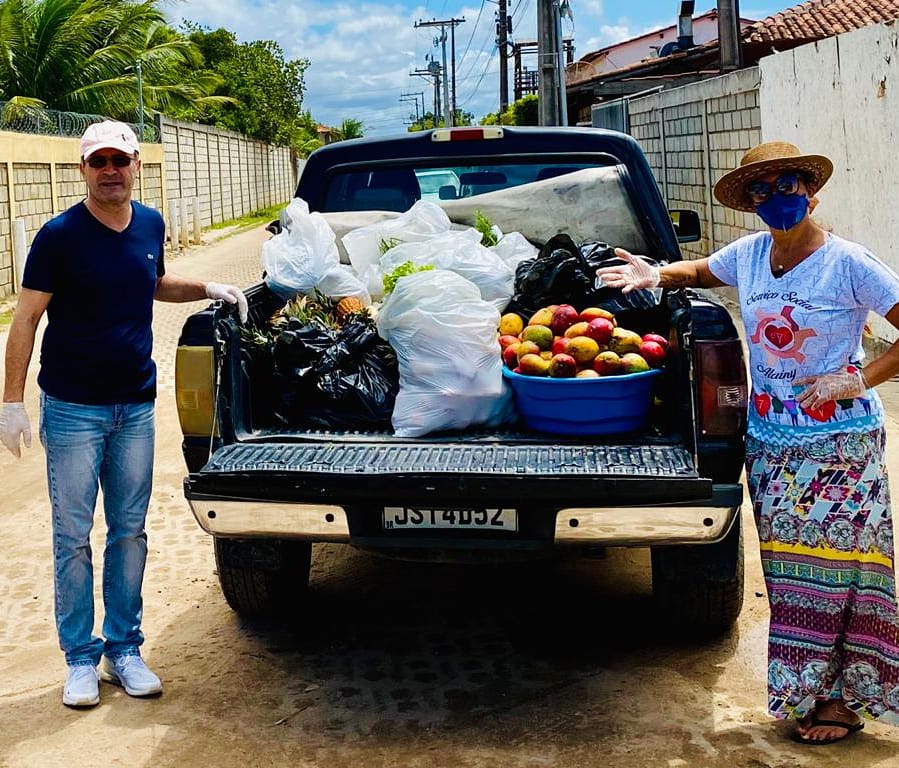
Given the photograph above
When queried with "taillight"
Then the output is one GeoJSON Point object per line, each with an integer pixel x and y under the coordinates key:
{"type": "Point", "coordinates": [467, 133]}
{"type": "Point", "coordinates": [195, 389]}
{"type": "Point", "coordinates": [720, 374]}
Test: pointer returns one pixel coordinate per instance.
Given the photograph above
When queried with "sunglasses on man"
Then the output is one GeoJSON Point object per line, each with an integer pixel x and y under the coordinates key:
{"type": "Point", "coordinates": [100, 161]}
{"type": "Point", "coordinates": [785, 184]}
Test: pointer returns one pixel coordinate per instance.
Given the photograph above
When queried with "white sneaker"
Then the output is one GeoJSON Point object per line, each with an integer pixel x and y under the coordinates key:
{"type": "Point", "coordinates": [82, 686]}
{"type": "Point", "coordinates": [132, 674]}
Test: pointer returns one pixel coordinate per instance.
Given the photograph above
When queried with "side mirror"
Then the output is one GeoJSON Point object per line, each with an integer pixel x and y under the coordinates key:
{"type": "Point", "coordinates": [686, 225]}
{"type": "Point", "coordinates": [447, 192]}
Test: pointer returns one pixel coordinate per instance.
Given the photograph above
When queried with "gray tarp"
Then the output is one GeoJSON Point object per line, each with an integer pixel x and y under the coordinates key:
{"type": "Point", "coordinates": [590, 204]}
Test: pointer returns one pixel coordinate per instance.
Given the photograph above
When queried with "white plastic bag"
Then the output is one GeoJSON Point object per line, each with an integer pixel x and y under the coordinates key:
{"type": "Point", "coordinates": [513, 248]}
{"type": "Point", "coordinates": [421, 221]}
{"type": "Point", "coordinates": [458, 251]}
{"type": "Point", "coordinates": [444, 336]}
{"type": "Point", "coordinates": [304, 257]}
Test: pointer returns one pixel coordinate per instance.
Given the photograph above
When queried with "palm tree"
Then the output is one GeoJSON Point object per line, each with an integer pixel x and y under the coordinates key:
{"type": "Point", "coordinates": [80, 56]}
{"type": "Point", "coordinates": [349, 129]}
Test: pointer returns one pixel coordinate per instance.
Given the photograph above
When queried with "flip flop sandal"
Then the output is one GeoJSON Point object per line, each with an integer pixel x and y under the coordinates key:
{"type": "Point", "coordinates": [849, 728]}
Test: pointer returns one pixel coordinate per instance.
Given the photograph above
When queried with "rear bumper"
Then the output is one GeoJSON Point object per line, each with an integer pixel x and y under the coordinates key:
{"type": "Point", "coordinates": [688, 522]}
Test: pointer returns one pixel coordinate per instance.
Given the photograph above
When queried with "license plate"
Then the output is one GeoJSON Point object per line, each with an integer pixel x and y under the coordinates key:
{"type": "Point", "coordinates": [482, 519]}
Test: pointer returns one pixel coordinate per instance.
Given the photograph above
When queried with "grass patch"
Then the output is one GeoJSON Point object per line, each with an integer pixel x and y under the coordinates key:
{"type": "Point", "coordinates": [254, 217]}
{"type": "Point", "coordinates": [6, 316]}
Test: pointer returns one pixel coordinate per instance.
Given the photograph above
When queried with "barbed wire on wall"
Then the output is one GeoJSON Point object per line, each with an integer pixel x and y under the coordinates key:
{"type": "Point", "coordinates": [51, 122]}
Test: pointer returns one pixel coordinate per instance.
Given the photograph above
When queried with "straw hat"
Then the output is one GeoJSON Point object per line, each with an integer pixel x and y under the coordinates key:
{"type": "Point", "coordinates": [770, 157]}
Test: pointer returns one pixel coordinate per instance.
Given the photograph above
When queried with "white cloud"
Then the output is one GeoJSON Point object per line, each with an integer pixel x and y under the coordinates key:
{"type": "Point", "coordinates": [362, 53]}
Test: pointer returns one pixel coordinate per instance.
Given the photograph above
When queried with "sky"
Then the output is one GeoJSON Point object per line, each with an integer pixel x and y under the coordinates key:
{"type": "Point", "coordinates": [362, 53]}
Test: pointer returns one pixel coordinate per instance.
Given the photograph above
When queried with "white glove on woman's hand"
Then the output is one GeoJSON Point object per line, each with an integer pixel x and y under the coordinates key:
{"type": "Point", "coordinates": [13, 425]}
{"type": "Point", "coordinates": [839, 385]}
{"type": "Point", "coordinates": [634, 273]}
{"type": "Point", "coordinates": [230, 294]}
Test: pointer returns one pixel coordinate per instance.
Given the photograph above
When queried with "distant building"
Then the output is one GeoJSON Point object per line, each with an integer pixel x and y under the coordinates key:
{"type": "Point", "coordinates": [690, 51]}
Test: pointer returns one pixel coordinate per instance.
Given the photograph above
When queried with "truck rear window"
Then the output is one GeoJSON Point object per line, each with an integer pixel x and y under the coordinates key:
{"type": "Point", "coordinates": [397, 189]}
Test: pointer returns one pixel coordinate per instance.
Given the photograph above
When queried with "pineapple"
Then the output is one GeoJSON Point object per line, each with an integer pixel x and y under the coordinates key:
{"type": "Point", "coordinates": [348, 305]}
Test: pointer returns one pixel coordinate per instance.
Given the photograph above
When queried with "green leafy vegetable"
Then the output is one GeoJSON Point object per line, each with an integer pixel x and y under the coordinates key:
{"type": "Point", "coordinates": [386, 243]}
{"type": "Point", "coordinates": [404, 269]}
{"type": "Point", "coordinates": [482, 224]}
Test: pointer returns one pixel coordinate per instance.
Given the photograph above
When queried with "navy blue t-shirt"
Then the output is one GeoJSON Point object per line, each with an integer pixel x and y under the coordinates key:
{"type": "Point", "coordinates": [99, 340]}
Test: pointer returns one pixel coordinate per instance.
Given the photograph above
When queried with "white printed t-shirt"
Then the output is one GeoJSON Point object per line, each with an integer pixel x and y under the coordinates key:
{"type": "Point", "coordinates": [806, 323]}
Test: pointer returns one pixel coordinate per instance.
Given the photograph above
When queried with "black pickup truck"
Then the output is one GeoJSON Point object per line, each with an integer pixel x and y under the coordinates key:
{"type": "Point", "coordinates": [267, 493]}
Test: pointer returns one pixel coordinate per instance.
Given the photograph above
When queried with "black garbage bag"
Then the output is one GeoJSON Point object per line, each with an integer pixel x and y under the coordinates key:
{"type": "Point", "coordinates": [565, 273]}
{"type": "Point", "coordinates": [357, 379]}
{"type": "Point", "coordinates": [324, 379]}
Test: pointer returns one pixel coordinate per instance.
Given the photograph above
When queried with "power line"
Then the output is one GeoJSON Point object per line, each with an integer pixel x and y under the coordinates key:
{"type": "Point", "coordinates": [480, 79]}
{"type": "Point", "coordinates": [470, 39]}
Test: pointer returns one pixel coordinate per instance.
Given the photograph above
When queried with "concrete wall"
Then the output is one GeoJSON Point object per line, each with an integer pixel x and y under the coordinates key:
{"type": "Point", "coordinates": [39, 177]}
{"type": "Point", "coordinates": [835, 97]}
{"type": "Point", "coordinates": [839, 98]}
{"type": "Point", "coordinates": [692, 136]}
{"type": "Point", "coordinates": [227, 174]}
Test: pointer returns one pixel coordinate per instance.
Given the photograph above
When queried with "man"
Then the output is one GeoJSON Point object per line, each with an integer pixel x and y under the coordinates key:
{"type": "Point", "coordinates": [96, 269]}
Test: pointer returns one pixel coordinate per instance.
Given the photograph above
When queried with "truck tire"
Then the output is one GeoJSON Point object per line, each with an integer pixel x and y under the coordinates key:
{"type": "Point", "coordinates": [698, 589]}
{"type": "Point", "coordinates": [263, 578]}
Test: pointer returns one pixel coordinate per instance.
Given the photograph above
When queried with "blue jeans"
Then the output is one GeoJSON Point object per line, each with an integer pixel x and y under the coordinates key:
{"type": "Point", "coordinates": [110, 447]}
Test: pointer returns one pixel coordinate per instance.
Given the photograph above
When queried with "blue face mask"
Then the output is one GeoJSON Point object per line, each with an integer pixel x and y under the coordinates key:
{"type": "Point", "coordinates": [783, 211]}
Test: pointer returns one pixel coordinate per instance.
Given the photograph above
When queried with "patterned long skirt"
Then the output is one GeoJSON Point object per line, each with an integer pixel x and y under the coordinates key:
{"type": "Point", "coordinates": [822, 512]}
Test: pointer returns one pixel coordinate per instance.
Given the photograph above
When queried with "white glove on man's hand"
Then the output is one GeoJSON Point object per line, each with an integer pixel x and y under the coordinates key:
{"type": "Point", "coordinates": [230, 294]}
{"type": "Point", "coordinates": [839, 385]}
{"type": "Point", "coordinates": [13, 425]}
{"type": "Point", "coordinates": [634, 273]}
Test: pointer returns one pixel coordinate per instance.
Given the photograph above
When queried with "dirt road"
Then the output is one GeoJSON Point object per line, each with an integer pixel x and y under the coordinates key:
{"type": "Point", "coordinates": [393, 664]}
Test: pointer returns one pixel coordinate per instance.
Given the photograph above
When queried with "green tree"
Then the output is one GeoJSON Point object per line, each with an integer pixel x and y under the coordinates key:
{"type": "Point", "coordinates": [80, 56]}
{"type": "Point", "coordinates": [426, 121]}
{"type": "Point", "coordinates": [349, 129]}
{"type": "Point", "coordinates": [266, 89]}
{"type": "Point", "coordinates": [521, 112]}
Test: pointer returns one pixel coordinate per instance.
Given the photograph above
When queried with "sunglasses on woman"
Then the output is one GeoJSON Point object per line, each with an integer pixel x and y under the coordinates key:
{"type": "Point", "coordinates": [99, 161]}
{"type": "Point", "coordinates": [785, 184]}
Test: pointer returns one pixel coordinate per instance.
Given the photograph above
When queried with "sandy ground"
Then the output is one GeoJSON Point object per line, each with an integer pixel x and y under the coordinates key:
{"type": "Point", "coordinates": [393, 664]}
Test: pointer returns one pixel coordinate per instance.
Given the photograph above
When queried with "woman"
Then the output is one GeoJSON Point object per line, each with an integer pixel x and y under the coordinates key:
{"type": "Point", "coordinates": [815, 460]}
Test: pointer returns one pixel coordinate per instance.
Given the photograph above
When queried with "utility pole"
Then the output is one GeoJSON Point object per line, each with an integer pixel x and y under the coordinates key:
{"type": "Point", "coordinates": [140, 99]}
{"type": "Point", "coordinates": [450, 111]}
{"type": "Point", "coordinates": [431, 73]}
{"type": "Point", "coordinates": [548, 62]}
{"type": "Point", "coordinates": [503, 30]}
{"type": "Point", "coordinates": [413, 97]}
{"type": "Point", "coordinates": [731, 53]}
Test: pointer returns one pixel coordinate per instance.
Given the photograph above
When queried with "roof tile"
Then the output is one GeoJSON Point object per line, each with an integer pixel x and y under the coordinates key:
{"type": "Point", "coordinates": [817, 19]}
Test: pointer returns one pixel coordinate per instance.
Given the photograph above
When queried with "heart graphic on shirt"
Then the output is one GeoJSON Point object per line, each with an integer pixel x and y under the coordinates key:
{"type": "Point", "coordinates": [762, 403]}
{"type": "Point", "coordinates": [823, 412]}
{"type": "Point", "coordinates": [779, 335]}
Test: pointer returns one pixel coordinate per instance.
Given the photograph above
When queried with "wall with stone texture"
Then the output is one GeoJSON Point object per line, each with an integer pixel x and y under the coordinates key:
{"type": "Point", "coordinates": [40, 177]}
{"type": "Point", "coordinates": [833, 97]}
{"type": "Point", "coordinates": [840, 98]}
{"type": "Point", "coordinates": [692, 136]}
{"type": "Point", "coordinates": [228, 174]}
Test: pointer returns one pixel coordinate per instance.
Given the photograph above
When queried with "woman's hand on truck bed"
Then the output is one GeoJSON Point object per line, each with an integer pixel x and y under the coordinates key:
{"type": "Point", "coordinates": [633, 273]}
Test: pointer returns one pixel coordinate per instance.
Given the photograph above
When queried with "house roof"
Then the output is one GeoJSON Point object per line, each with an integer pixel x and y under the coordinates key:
{"type": "Point", "coordinates": [653, 35]}
{"type": "Point", "coordinates": [817, 19]}
{"type": "Point", "coordinates": [812, 20]}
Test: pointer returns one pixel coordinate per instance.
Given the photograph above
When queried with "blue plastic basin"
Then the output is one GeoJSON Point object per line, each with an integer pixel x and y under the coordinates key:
{"type": "Point", "coordinates": [583, 406]}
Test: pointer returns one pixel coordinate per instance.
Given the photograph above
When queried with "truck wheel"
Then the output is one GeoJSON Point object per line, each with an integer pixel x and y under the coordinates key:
{"type": "Point", "coordinates": [263, 577]}
{"type": "Point", "coordinates": [699, 589]}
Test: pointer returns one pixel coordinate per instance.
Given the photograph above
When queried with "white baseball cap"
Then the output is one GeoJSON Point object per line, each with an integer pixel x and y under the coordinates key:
{"type": "Point", "coordinates": [108, 135]}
